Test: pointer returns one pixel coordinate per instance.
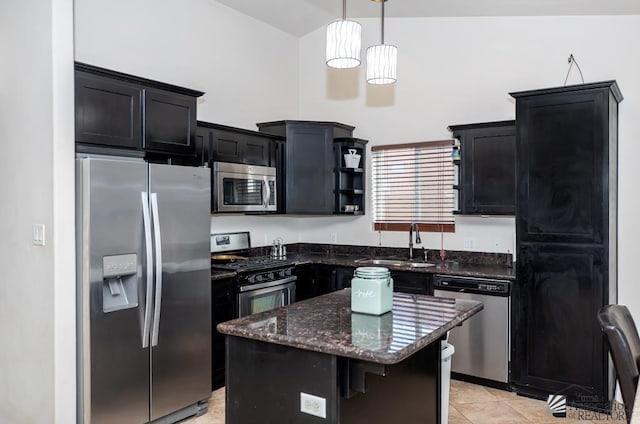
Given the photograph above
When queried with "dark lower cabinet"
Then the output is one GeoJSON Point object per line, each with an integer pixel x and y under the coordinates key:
{"type": "Point", "coordinates": [223, 309]}
{"type": "Point", "coordinates": [316, 280]}
{"type": "Point", "coordinates": [306, 285]}
{"type": "Point", "coordinates": [560, 346]}
{"type": "Point", "coordinates": [566, 236]}
{"type": "Point", "coordinates": [412, 282]}
{"type": "Point", "coordinates": [116, 110]}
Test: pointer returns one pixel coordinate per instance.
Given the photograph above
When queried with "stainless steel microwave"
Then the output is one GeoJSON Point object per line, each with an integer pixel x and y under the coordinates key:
{"type": "Point", "coordinates": [243, 188]}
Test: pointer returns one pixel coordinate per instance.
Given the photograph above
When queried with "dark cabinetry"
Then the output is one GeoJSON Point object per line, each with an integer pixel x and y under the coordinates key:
{"type": "Point", "coordinates": [349, 178]}
{"type": "Point", "coordinates": [223, 306]}
{"type": "Point", "coordinates": [316, 280]}
{"type": "Point", "coordinates": [220, 143]}
{"type": "Point", "coordinates": [566, 240]}
{"type": "Point", "coordinates": [307, 164]}
{"type": "Point", "coordinates": [412, 282]}
{"type": "Point", "coordinates": [486, 168]}
{"type": "Point", "coordinates": [127, 112]}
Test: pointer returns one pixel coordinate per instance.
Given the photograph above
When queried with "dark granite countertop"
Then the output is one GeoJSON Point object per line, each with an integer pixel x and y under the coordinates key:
{"type": "Point", "coordinates": [326, 324]}
{"type": "Point", "coordinates": [449, 267]}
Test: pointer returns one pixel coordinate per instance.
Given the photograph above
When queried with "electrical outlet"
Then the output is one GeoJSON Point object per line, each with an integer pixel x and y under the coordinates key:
{"type": "Point", "coordinates": [313, 405]}
{"type": "Point", "coordinates": [469, 243]}
{"type": "Point", "coordinates": [38, 234]}
{"type": "Point", "coordinates": [333, 237]}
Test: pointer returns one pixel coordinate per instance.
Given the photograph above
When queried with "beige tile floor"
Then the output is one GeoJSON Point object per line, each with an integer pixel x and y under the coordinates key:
{"type": "Point", "coordinates": [470, 404]}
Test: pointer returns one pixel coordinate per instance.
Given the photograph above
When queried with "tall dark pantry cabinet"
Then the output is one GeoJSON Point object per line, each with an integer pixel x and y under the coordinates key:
{"type": "Point", "coordinates": [566, 227]}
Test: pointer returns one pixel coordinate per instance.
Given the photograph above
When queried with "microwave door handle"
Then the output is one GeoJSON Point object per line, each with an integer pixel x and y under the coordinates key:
{"type": "Point", "coordinates": [268, 190]}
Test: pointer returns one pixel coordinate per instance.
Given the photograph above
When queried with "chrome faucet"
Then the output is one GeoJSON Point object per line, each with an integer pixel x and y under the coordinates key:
{"type": "Point", "coordinates": [418, 241]}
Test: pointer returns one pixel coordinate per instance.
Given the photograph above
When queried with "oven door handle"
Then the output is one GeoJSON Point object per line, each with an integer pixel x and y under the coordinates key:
{"type": "Point", "coordinates": [252, 287]}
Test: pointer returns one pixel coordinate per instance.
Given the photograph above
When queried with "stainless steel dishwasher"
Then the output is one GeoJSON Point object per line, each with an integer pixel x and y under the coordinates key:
{"type": "Point", "coordinates": [482, 343]}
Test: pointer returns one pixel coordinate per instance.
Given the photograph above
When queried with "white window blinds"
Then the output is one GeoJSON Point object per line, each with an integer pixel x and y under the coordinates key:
{"type": "Point", "coordinates": [413, 183]}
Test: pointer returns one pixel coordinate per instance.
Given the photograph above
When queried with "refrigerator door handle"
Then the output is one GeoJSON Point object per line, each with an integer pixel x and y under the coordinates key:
{"type": "Point", "coordinates": [158, 250]}
{"type": "Point", "coordinates": [146, 218]}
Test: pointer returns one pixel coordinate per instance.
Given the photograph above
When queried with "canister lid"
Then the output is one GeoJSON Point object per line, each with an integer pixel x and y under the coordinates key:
{"type": "Point", "coordinates": [372, 272]}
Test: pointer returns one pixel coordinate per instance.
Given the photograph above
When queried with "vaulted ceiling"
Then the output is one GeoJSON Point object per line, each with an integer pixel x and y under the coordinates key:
{"type": "Point", "coordinates": [298, 17]}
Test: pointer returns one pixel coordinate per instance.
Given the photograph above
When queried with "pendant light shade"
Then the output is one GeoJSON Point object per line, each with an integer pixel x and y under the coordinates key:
{"type": "Point", "coordinates": [381, 64]}
{"type": "Point", "coordinates": [344, 41]}
{"type": "Point", "coordinates": [382, 59]}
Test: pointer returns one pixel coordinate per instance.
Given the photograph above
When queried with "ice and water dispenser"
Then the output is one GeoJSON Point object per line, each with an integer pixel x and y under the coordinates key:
{"type": "Point", "coordinates": [119, 282]}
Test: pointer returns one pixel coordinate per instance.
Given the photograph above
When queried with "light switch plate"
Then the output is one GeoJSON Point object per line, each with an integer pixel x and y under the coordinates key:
{"type": "Point", "coordinates": [313, 405]}
{"type": "Point", "coordinates": [38, 234]}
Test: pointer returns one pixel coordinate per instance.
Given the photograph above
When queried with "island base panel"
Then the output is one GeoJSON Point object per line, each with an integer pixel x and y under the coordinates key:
{"type": "Point", "coordinates": [409, 392]}
{"type": "Point", "coordinates": [264, 382]}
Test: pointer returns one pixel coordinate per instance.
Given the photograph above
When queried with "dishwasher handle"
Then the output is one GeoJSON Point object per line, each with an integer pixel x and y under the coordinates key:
{"type": "Point", "coordinates": [475, 285]}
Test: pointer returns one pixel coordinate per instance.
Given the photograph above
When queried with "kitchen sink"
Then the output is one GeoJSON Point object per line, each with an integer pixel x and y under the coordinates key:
{"type": "Point", "coordinates": [393, 262]}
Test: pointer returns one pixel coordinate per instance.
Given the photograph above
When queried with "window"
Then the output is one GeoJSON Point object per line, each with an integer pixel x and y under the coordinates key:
{"type": "Point", "coordinates": [413, 183]}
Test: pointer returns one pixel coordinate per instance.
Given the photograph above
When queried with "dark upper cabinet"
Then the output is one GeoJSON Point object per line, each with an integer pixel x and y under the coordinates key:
{"type": "Point", "coordinates": [169, 122]}
{"type": "Point", "coordinates": [107, 112]}
{"type": "Point", "coordinates": [566, 237]}
{"type": "Point", "coordinates": [308, 164]}
{"type": "Point", "coordinates": [350, 182]}
{"type": "Point", "coordinates": [237, 145]}
{"type": "Point", "coordinates": [116, 110]}
{"type": "Point", "coordinates": [486, 169]}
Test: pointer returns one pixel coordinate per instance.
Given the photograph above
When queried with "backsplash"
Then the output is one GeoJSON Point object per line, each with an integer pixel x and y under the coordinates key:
{"type": "Point", "coordinates": [466, 257]}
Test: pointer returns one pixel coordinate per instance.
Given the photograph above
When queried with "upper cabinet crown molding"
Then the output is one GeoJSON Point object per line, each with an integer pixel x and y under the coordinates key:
{"type": "Point", "coordinates": [121, 76]}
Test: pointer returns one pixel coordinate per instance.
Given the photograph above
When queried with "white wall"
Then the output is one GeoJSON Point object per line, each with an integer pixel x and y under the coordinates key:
{"type": "Point", "coordinates": [247, 69]}
{"type": "Point", "coordinates": [37, 287]}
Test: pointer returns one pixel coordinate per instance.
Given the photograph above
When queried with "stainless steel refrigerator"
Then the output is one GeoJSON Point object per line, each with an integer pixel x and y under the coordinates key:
{"type": "Point", "coordinates": [144, 290]}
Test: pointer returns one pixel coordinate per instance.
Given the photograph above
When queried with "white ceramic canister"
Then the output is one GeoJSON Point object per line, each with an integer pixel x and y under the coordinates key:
{"type": "Point", "coordinates": [352, 159]}
{"type": "Point", "coordinates": [371, 291]}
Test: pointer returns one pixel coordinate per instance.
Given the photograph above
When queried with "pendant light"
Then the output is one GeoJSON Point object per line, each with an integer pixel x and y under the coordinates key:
{"type": "Point", "coordinates": [343, 42]}
{"type": "Point", "coordinates": [382, 59]}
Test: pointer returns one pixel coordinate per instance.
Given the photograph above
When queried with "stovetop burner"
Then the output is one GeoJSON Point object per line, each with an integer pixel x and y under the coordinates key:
{"type": "Point", "coordinates": [254, 264]}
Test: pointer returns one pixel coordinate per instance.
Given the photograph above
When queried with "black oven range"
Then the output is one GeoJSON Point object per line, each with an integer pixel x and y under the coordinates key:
{"type": "Point", "coordinates": [262, 283]}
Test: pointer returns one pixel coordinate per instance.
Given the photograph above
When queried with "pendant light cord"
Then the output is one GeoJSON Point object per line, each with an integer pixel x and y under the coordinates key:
{"type": "Point", "coordinates": [344, 10]}
{"type": "Point", "coordinates": [382, 32]}
{"type": "Point", "coordinates": [572, 60]}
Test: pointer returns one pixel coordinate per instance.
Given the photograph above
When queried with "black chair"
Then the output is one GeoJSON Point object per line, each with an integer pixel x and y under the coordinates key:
{"type": "Point", "coordinates": [624, 344]}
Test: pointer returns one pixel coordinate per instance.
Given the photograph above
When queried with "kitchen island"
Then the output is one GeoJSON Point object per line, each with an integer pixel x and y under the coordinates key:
{"type": "Point", "coordinates": [316, 361]}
